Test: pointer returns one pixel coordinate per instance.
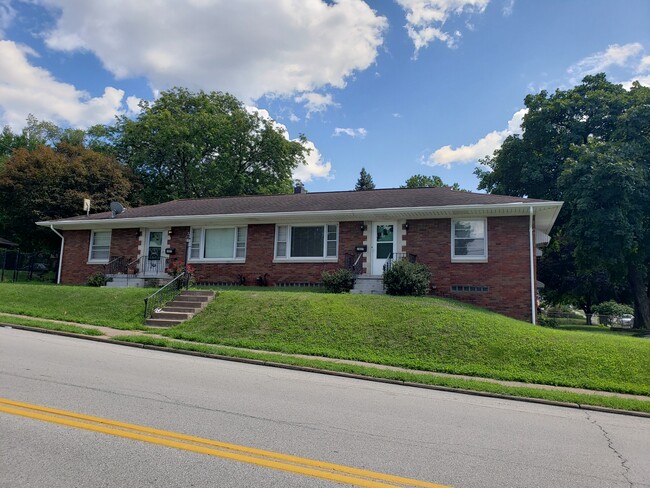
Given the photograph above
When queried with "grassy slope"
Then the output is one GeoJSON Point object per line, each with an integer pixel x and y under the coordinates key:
{"type": "Point", "coordinates": [422, 333]}
{"type": "Point", "coordinates": [118, 308]}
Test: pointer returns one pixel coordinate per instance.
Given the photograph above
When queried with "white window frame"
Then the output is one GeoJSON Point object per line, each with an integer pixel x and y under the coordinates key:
{"type": "Point", "coordinates": [469, 259]}
{"type": "Point", "coordinates": [317, 259]}
{"type": "Point", "coordinates": [92, 245]}
{"type": "Point", "coordinates": [239, 229]}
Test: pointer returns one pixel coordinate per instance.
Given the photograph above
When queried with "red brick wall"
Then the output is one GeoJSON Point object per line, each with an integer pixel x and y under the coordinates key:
{"type": "Point", "coordinates": [76, 270]}
{"type": "Point", "coordinates": [506, 273]}
{"type": "Point", "coordinates": [259, 259]}
{"type": "Point", "coordinates": [124, 242]}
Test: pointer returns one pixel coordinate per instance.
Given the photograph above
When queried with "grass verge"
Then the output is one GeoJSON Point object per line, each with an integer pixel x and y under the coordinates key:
{"type": "Point", "coordinates": [44, 324]}
{"type": "Point", "coordinates": [421, 333]}
{"type": "Point", "coordinates": [120, 308]}
{"type": "Point", "coordinates": [455, 383]}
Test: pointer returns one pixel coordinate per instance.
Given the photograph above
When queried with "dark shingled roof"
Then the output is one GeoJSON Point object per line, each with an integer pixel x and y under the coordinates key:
{"type": "Point", "coordinates": [312, 202]}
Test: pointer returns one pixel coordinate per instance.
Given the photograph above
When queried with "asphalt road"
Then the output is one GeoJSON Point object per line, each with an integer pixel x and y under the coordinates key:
{"type": "Point", "coordinates": [443, 438]}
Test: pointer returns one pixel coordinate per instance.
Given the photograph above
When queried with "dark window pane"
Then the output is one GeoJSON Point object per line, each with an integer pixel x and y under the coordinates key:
{"type": "Point", "coordinates": [470, 247]}
{"type": "Point", "coordinates": [384, 250]}
{"type": "Point", "coordinates": [307, 242]}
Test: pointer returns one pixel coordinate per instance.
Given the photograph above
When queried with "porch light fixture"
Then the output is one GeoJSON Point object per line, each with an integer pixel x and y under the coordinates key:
{"type": "Point", "coordinates": [138, 233]}
{"type": "Point", "coordinates": [169, 232]}
{"type": "Point", "coordinates": [405, 226]}
{"type": "Point", "coordinates": [364, 227]}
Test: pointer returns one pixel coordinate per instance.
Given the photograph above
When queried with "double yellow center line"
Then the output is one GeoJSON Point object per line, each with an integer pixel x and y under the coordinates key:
{"type": "Point", "coordinates": [268, 459]}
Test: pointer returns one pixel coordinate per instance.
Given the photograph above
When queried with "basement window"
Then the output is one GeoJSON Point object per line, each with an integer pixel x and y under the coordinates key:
{"type": "Point", "coordinates": [469, 288]}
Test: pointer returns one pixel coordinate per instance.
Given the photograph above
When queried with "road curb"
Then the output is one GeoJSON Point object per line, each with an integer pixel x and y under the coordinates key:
{"type": "Point", "coordinates": [341, 374]}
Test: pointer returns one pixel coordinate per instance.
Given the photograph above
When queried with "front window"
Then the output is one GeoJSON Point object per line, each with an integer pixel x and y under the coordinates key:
{"type": "Point", "coordinates": [218, 244]}
{"type": "Point", "coordinates": [469, 240]}
{"type": "Point", "coordinates": [100, 246]}
{"type": "Point", "coordinates": [306, 241]}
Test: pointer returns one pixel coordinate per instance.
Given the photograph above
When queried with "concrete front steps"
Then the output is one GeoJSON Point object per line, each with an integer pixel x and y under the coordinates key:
{"type": "Point", "coordinates": [185, 306]}
{"type": "Point", "coordinates": [368, 285]}
{"type": "Point", "coordinates": [122, 281]}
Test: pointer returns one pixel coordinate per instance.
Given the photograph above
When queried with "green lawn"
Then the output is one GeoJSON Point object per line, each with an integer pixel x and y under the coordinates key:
{"type": "Point", "coordinates": [114, 307]}
{"type": "Point", "coordinates": [428, 334]}
{"type": "Point", "coordinates": [421, 333]}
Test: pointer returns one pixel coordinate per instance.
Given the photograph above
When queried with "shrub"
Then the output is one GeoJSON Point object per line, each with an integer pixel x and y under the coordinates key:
{"type": "Point", "coordinates": [406, 278]}
{"type": "Point", "coordinates": [607, 311]}
{"type": "Point", "coordinates": [546, 321]}
{"type": "Point", "coordinates": [340, 281]}
{"type": "Point", "coordinates": [98, 279]}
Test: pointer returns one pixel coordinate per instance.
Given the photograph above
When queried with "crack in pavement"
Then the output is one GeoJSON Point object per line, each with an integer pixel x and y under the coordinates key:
{"type": "Point", "coordinates": [610, 445]}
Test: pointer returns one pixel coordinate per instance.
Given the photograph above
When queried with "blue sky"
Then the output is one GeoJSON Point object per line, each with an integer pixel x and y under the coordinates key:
{"type": "Point", "coordinates": [399, 87]}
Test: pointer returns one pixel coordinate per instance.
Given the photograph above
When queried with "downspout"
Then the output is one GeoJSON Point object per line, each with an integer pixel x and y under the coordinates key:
{"type": "Point", "coordinates": [533, 298]}
{"type": "Point", "coordinates": [58, 278]}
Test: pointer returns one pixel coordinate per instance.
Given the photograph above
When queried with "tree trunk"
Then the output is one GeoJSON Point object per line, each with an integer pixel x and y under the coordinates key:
{"type": "Point", "coordinates": [641, 299]}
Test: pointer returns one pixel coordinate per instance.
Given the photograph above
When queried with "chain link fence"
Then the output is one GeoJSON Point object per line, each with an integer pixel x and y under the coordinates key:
{"type": "Point", "coordinates": [17, 266]}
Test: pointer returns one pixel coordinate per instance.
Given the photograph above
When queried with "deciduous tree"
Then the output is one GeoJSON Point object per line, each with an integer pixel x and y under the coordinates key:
{"type": "Point", "coordinates": [51, 183]}
{"type": "Point", "coordinates": [422, 181]}
{"type": "Point", "coordinates": [588, 146]}
{"type": "Point", "coordinates": [187, 145]}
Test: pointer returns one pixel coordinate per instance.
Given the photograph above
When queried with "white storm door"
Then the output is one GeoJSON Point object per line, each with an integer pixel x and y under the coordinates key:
{"type": "Point", "coordinates": [154, 262]}
{"type": "Point", "coordinates": [383, 245]}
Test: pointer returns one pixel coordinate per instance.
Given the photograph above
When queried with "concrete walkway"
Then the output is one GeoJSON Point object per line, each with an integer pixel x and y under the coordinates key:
{"type": "Point", "coordinates": [109, 333]}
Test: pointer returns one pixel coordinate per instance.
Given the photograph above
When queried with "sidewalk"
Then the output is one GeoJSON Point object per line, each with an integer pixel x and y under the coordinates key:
{"type": "Point", "coordinates": [110, 333]}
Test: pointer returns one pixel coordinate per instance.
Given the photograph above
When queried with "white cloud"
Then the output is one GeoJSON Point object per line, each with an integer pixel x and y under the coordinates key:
{"type": "Point", "coordinates": [7, 14]}
{"type": "Point", "coordinates": [360, 132]}
{"type": "Point", "coordinates": [247, 48]}
{"type": "Point", "coordinates": [644, 65]}
{"type": "Point", "coordinates": [132, 104]}
{"type": "Point", "coordinates": [508, 8]}
{"type": "Point", "coordinates": [26, 89]}
{"type": "Point", "coordinates": [425, 19]}
{"type": "Point", "coordinates": [446, 155]}
{"type": "Point", "coordinates": [293, 117]}
{"type": "Point", "coordinates": [315, 102]}
{"type": "Point", "coordinates": [315, 167]}
{"type": "Point", "coordinates": [614, 55]}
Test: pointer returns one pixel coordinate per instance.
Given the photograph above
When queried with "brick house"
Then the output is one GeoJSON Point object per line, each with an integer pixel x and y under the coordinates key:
{"type": "Point", "coordinates": [481, 248]}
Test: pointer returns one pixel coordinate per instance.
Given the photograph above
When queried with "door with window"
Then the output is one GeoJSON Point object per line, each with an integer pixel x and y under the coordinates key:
{"type": "Point", "coordinates": [383, 245]}
{"type": "Point", "coordinates": [154, 258]}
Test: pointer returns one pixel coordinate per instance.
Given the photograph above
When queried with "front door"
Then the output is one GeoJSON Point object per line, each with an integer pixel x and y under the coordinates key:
{"type": "Point", "coordinates": [383, 245]}
{"type": "Point", "coordinates": [154, 259]}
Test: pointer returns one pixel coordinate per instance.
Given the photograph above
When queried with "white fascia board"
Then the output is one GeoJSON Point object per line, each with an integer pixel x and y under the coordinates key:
{"type": "Point", "coordinates": [447, 211]}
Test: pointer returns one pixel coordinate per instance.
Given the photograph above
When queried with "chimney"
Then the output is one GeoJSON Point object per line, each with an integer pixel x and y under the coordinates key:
{"type": "Point", "coordinates": [299, 188]}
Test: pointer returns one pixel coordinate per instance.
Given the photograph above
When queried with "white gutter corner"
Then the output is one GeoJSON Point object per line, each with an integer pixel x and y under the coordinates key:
{"type": "Point", "coordinates": [58, 278]}
{"type": "Point", "coordinates": [533, 298]}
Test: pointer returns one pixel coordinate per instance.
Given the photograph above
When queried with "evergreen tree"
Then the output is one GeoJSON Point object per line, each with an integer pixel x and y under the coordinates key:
{"type": "Point", "coordinates": [364, 182]}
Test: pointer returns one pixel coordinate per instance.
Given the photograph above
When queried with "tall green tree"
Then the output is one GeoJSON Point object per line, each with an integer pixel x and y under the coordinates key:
{"type": "Point", "coordinates": [194, 145]}
{"type": "Point", "coordinates": [50, 183]}
{"type": "Point", "coordinates": [423, 181]}
{"type": "Point", "coordinates": [364, 182]}
{"type": "Point", "coordinates": [588, 146]}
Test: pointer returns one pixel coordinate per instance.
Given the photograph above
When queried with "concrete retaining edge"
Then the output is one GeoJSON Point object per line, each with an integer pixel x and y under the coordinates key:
{"type": "Point", "coordinates": [341, 374]}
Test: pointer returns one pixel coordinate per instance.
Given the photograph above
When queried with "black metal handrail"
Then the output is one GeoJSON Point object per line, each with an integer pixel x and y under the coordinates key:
{"type": "Point", "coordinates": [117, 265]}
{"type": "Point", "coordinates": [167, 293]}
{"type": "Point", "coordinates": [353, 262]}
{"type": "Point", "coordinates": [143, 266]}
{"type": "Point", "coordinates": [399, 256]}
